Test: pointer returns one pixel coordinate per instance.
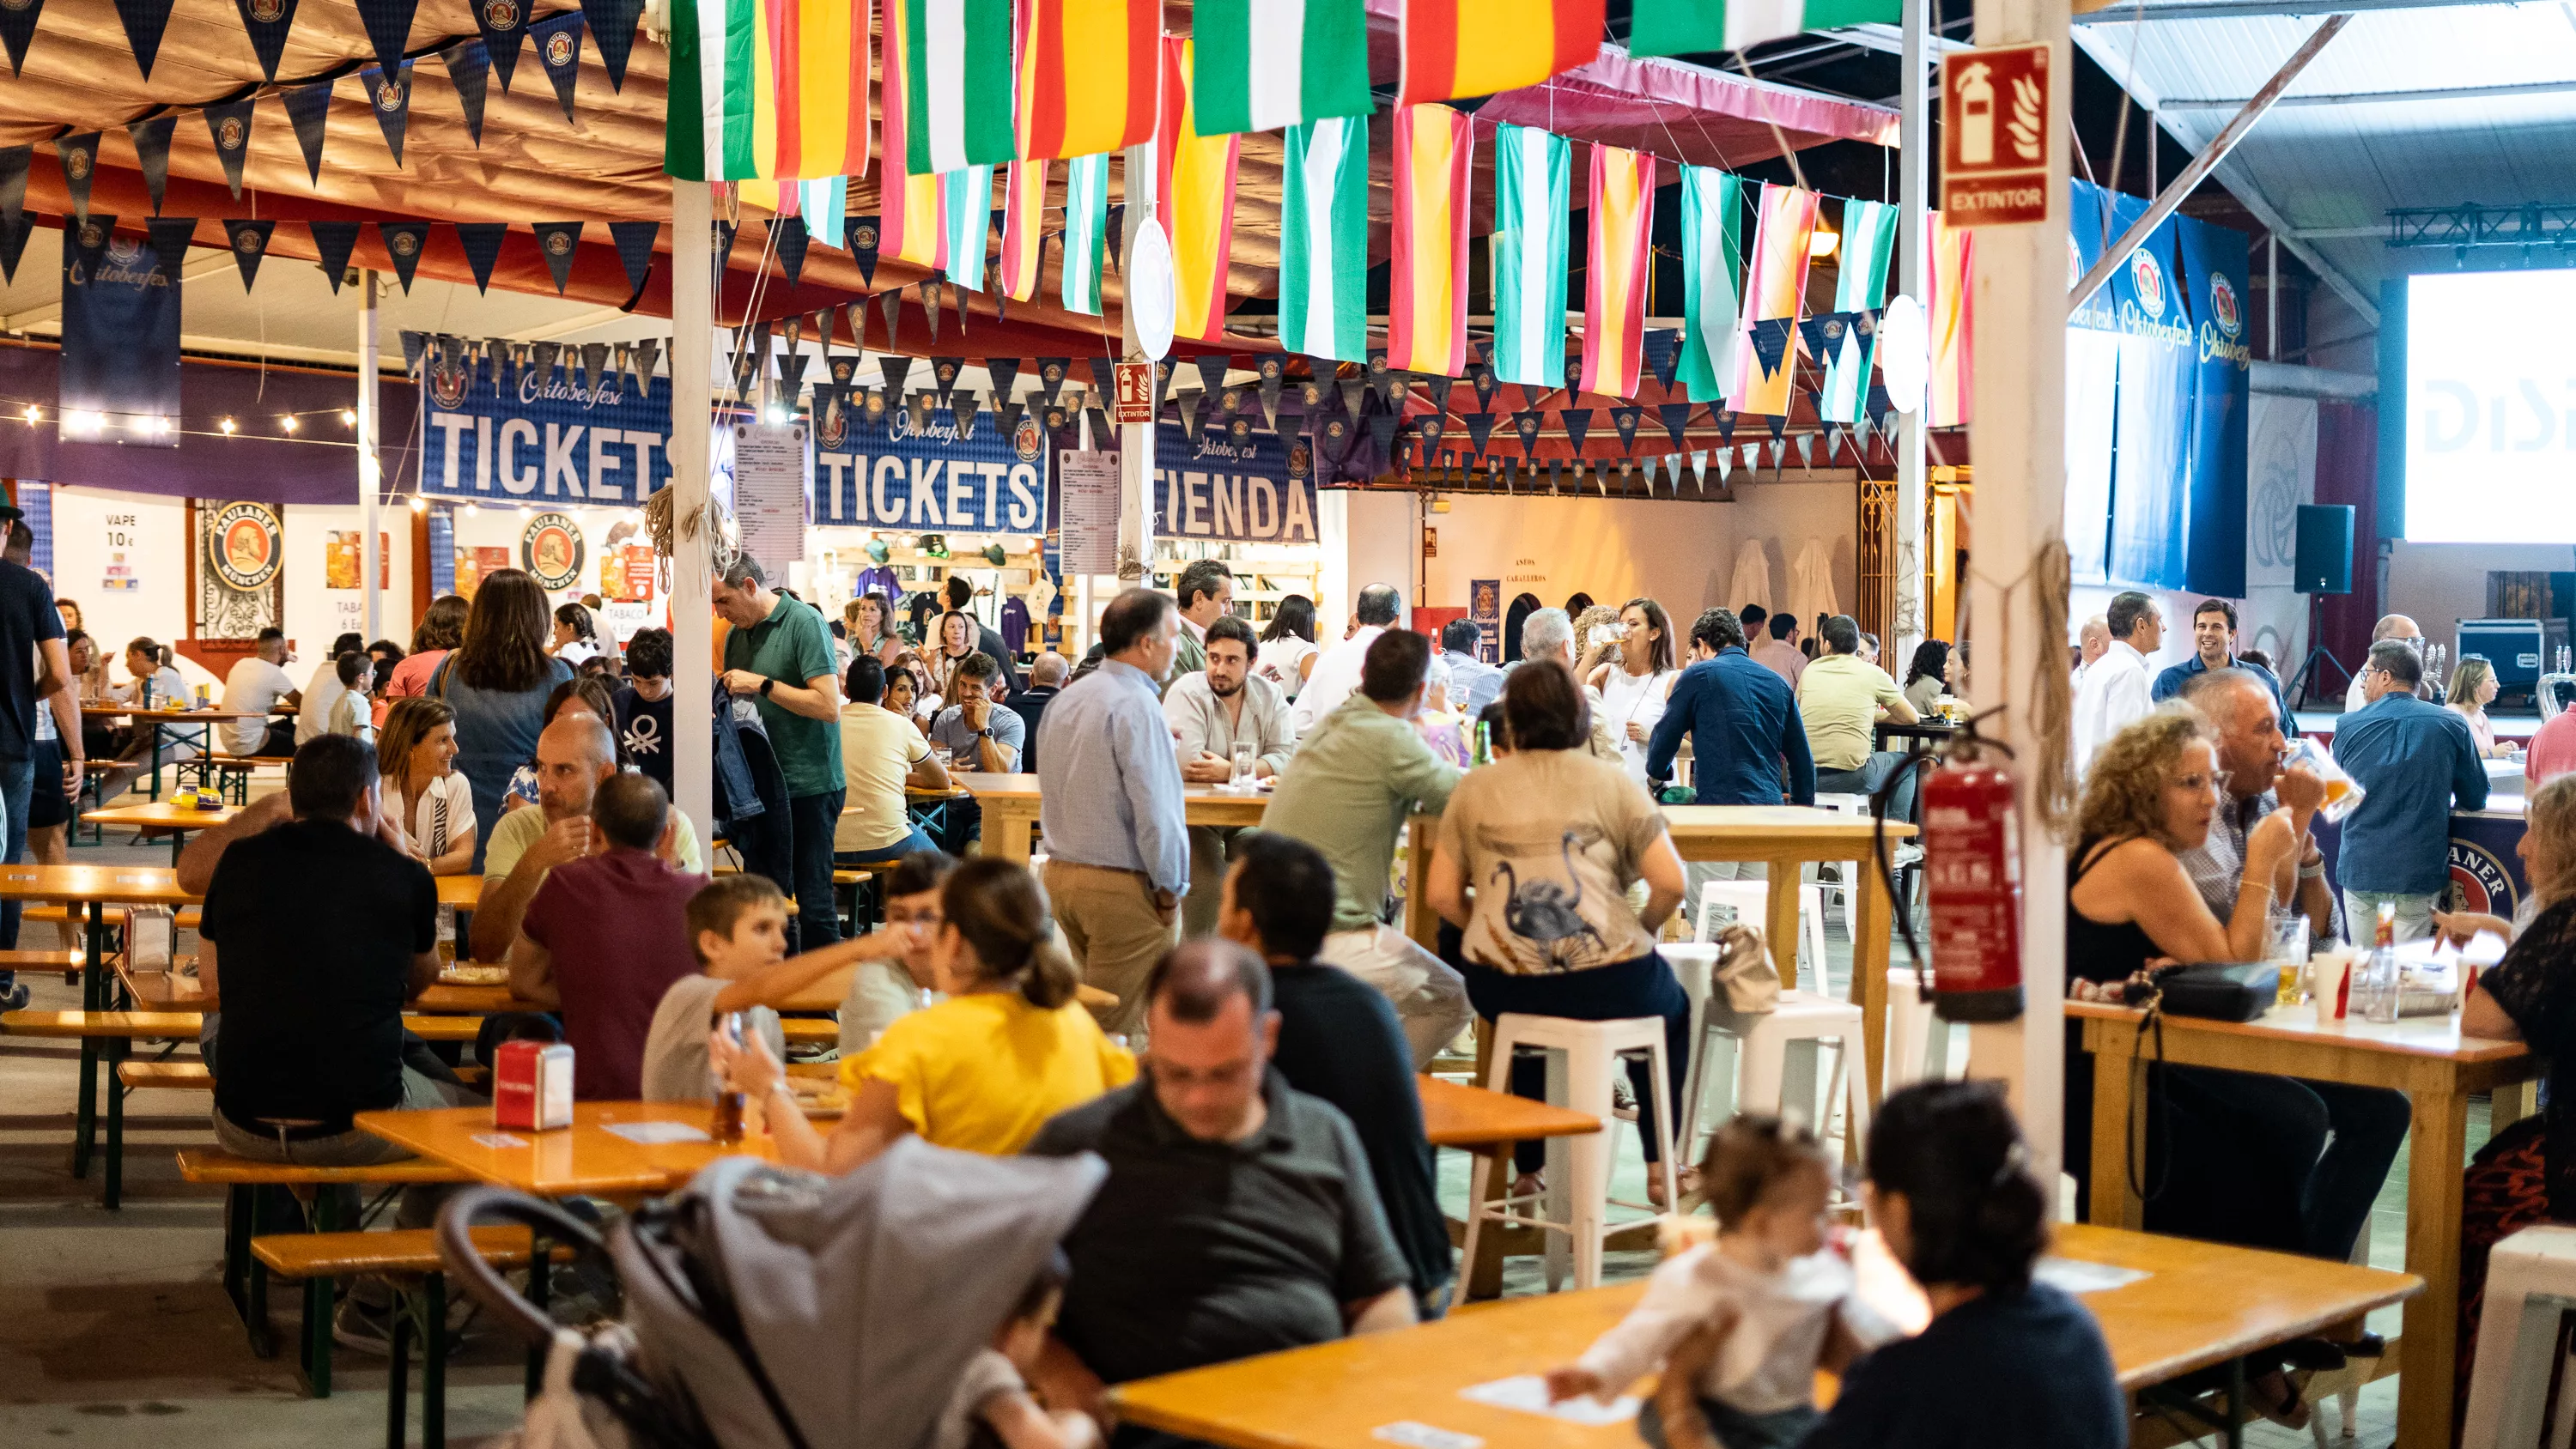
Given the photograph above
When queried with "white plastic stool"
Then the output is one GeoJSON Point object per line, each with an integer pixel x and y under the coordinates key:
{"type": "Point", "coordinates": [2531, 1285]}
{"type": "Point", "coordinates": [1760, 1079]}
{"type": "Point", "coordinates": [1582, 1054]}
{"type": "Point", "coordinates": [1918, 1040]}
{"type": "Point", "coordinates": [1751, 902]}
{"type": "Point", "coordinates": [1845, 885]}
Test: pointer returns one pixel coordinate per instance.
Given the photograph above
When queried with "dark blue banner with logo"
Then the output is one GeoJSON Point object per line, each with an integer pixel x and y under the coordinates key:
{"type": "Point", "coordinates": [2214, 275]}
{"type": "Point", "coordinates": [120, 362]}
{"type": "Point", "coordinates": [1234, 485]}
{"type": "Point", "coordinates": [873, 468]}
{"type": "Point", "coordinates": [542, 440]}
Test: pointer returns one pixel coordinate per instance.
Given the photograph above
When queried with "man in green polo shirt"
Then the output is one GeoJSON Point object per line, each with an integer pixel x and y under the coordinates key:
{"type": "Point", "coordinates": [779, 656]}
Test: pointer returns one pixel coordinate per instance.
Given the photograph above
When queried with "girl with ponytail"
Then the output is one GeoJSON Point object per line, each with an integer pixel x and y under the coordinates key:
{"type": "Point", "coordinates": [981, 1071]}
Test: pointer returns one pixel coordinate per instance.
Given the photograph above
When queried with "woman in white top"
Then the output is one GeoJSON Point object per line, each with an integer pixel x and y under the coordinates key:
{"type": "Point", "coordinates": [147, 662]}
{"type": "Point", "coordinates": [1288, 652]}
{"type": "Point", "coordinates": [436, 806]}
{"type": "Point", "coordinates": [576, 636]}
{"type": "Point", "coordinates": [1635, 686]}
{"type": "Point", "coordinates": [2473, 688]}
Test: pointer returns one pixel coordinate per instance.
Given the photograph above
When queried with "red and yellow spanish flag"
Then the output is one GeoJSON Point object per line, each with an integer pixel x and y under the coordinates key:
{"type": "Point", "coordinates": [1775, 284]}
{"type": "Point", "coordinates": [1460, 48]}
{"type": "Point", "coordinates": [1023, 231]}
{"type": "Point", "coordinates": [1426, 328]}
{"type": "Point", "coordinates": [1614, 290]}
{"type": "Point", "coordinates": [1089, 75]}
{"type": "Point", "coordinates": [910, 227]}
{"type": "Point", "coordinates": [1949, 319]}
{"type": "Point", "coordinates": [1194, 191]}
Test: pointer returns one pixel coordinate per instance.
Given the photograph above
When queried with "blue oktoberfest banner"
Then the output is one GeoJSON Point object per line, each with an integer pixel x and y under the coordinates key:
{"type": "Point", "coordinates": [888, 467]}
{"type": "Point", "coordinates": [1235, 484]}
{"type": "Point", "coordinates": [540, 438]}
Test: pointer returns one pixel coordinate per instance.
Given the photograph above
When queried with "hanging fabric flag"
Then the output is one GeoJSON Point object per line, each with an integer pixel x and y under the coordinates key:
{"type": "Point", "coordinates": [403, 241]}
{"type": "Point", "coordinates": [1089, 75]}
{"type": "Point", "coordinates": [635, 241]}
{"type": "Point", "coordinates": [1264, 64]}
{"type": "Point", "coordinates": [1614, 290]}
{"type": "Point", "coordinates": [79, 156]}
{"type": "Point", "coordinates": [1712, 262]}
{"type": "Point", "coordinates": [388, 24]}
{"type": "Point", "coordinates": [152, 151]}
{"type": "Point", "coordinates": [229, 127]}
{"type": "Point", "coordinates": [558, 42]}
{"type": "Point", "coordinates": [956, 62]}
{"type": "Point", "coordinates": [1578, 426]}
{"type": "Point", "coordinates": [170, 237]}
{"type": "Point", "coordinates": [1323, 235]}
{"type": "Point", "coordinates": [612, 25]}
{"type": "Point", "coordinates": [1688, 27]}
{"type": "Point", "coordinates": [1774, 286]}
{"type": "Point", "coordinates": [930, 295]}
{"type": "Point", "coordinates": [1453, 49]}
{"type": "Point", "coordinates": [1860, 290]}
{"type": "Point", "coordinates": [17, 28]}
{"type": "Point", "coordinates": [1626, 420]}
{"type": "Point", "coordinates": [559, 240]}
{"type": "Point", "coordinates": [966, 200]}
{"type": "Point", "coordinates": [1427, 302]}
{"type": "Point", "coordinates": [503, 22]}
{"type": "Point", "coordinates": [468, 64]}
{"type": "Point", "coordinates": [1023, 230]}
{"type": "Point", "coordinates": [1946, 304]}
{"type": "Point", "coordinates": [1532, 175]}
{"type": "Point", "coordinates": [787, 236]}
{"type": "Point", "coordinates": [249, 242]}
{"type": "Point", "coordinates": [333, 241]}
{"type": "Point", "coordinates": [308, 109]}
{"type": "Point", "coordinates": [1675, 416]}
{"type": "Point", "coordinates": [1051, 375]}
{"type": "Point", "coordinates": [267, 22]}
{"type": "Point", "coordinates": [911, 230]}
{"type": "Point", "coordinates": [1194, 188]}
{"type": "Point", "coordinates": [824, 203]}
{"type": "Point", "coordinates": [1086, 225]}
{"type": "Point", "coordinates": [482, 243]}
{"type": "Point", "coordinates": [390, 98]}
{"type": "Point", "coordinates": [1663, 348]}
{"type": "Point", "coordinates": [146, 19]}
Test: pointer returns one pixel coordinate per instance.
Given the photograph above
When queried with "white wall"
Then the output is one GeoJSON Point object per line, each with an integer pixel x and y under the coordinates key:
{"type": "Point", "coordinates": [1367, 538]}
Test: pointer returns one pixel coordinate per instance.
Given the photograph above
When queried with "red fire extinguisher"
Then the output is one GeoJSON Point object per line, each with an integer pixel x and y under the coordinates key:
{"type": "Point", "coordinates": [1972, 873]}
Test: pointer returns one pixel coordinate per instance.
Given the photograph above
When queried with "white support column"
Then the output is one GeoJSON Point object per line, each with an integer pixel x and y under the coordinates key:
{"type": "Point", "coordinates": [2018, 390]}
{"type": "Point", "coordinates": [692, 406]}
{"type": "Point", "coordinates": [1913, 256]}
{"type": "Point", "coordinates": [1135, 440]}
{"type": "Point", "coordinates": [371, 468]}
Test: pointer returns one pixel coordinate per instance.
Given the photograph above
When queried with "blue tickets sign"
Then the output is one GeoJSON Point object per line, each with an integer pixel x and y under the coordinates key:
{"type": "Point", "coordinates": [873, 468]}
{"type": "Point", "coordinates": [544, 440]}
{"type": "Point", "coordinates": [1234, 485]}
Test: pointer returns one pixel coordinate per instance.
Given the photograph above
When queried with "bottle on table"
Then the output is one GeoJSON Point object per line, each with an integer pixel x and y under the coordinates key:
{"type": "Point", "coordinates": [727, 1127]}
{"type": "Point", "coordinates": [2380, 980]}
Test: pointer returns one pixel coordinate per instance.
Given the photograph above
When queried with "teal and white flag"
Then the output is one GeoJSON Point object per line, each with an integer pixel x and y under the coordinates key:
{"type": "Point", "coordinates": [1323, 240]}
{"type": "Point", "coordinates": [1086, 217]}
{"type": "Point", "coordinates": [1688, 27]}
{"type": "Point", "coordinates": [966, 202]}
{"type": "Point", "coordinates": [1869, 240]}
{"type": "Point", "coordinates": [1532, 171]}
{"type": "Point", "coordinates": [1713, 280]}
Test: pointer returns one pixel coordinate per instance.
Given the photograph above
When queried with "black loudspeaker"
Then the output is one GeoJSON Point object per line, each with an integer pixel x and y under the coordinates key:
{"type": "Point", "coordinates": [2324, 563]}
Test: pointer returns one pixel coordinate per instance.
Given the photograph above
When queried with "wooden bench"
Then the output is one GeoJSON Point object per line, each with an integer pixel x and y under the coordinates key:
{"type": "Point", "coordinates": [115, 1029]}
{"type": "Point", "coordinates": [228, 776]}
{"type": "Point", "coordinates": [124, 1025]}
{"type": "Point", "coordinates": [172, 1076]}
{"type": "Point", "coordinates": [68, 962]}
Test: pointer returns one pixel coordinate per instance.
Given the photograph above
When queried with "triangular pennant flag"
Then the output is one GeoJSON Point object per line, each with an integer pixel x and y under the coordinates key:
{"type": "Point", "coordinates": [859, 239]}
{"type": "Point", "coordinates": [958, 295]}
{"type": "Point", "coordinates": [388, 25]}
{"type": "Point", "coordinates": [414, 343]}
{"type": "Point", "coordinates": [1354, 394]}
{"type": "Point", "coordinates": [152, 150]}
{"type": "Point", "coordinates": [634, 241]}
{"type": "Point", "coordinates": [1806, 450]}
{"type": "Point", "coordinates": [84, 242]}
{"type": "Point", "coordinates": [1381, 428]}
{"type": "Point", "coordinates": [891, 304]}
{"type": "Point", "coordinates": [17, 28]}
{"type": "Point", "coordinates": [1725, 467]}
{"type": "Point", "coordinates": [308, 108]}
{"type": "Point", "coordinates": [1725, 426]}
{"type": "Point", "coordinates": [79, 156]}
{"type": "Point", "coordinates": [1699, 469]}
{"type": "Point", "coordinates": [13, 182]}
{"type": "Point", "coordinates": [1771, 342]}
{"type": "Point", "coordinates": [1663, 348]}
{"type": "Point", "coordinates": [1526, 424]}
{"type": "Point", "coordinates": [726, 231]}
{"type": "Point", "coordinates": [1189, 400]}
{"type": "Point", "coordinates": [1578, 425]}
{"type": "Point", "coordinates": [1481, 377]}
{"type": "Point", "coordinates": [1163, 371]}
{"type": "Point", "coordinates": [787, 234]}
{"type": "Point", "coordinates": [334, 240]}
{"type": "Point", "coordinates": [1104, 375]}
{"type": "Point", "coordinates": [1554, 469]}
{"type": "Point", "coordinates": [1212, 369]}
{"type": "Point", "coordinates": [859, 325]}
{"type": "Point", "coordinates": [962, 409]}
{"type": "Point", "coordinates": [943, 375]}
{"type": "Point", "coordinates": [1822, 334]}
{"type": "Point", "coordinates": [1480, 427]}
{"type": "Point", "coordinates": [541, 356]}
{"type": "Point", "coordinates": [1274, 377]}
{"type": "Point", "coordinates": [919, 407]}
{"type": "Point", "coordinates": [482, 241]}
{"type": "Point", "coordinates": [1103, 436]}
{"type": "Point", "coordinates": [389, 96]}
{"type": "Point", "coordinates": [559, 240]}
{"type": "Point", "coordinates": [229, 126]}
{"type": "Point", "coordinates": [249, 243]}
{"type": "Point", "coordinates": [1776, 423]}
{"type": "Point", "coordinates": [267, 22]}
{"type": "Point", "coordinates": [1010, 414]}
{"type": "Point", "coordinates": [170, 236]}
{"type": "Point", "coordinates": [1379, 376]}
{"type": "Point", "coordinates": [144, 22]}
{"type": "Point", "coordinates": [558, 44]}
{"type": "Point", "coordinates": [1051, 373]}
{"type": "Point", "coordinates": [644, 357]}
{"type": "Point", "coordinates": [404, 241]}
{"type": "Point", "coordinates": [1005, 372]}
{"type": "Point", "coordinates": [502, 22]}
{"type": "Point", "coordinates": [594, 364]}
{"type": "Point", "coordinates": [930, 306]}
{"type": "Point", "coordinates": [612, 25]}
{"type": "Point", "coordinates": [896, 367]}
{"type": "Point", "coordinates": [1625, 420]}
{"type": "Point", "coordinates": [469, 67]}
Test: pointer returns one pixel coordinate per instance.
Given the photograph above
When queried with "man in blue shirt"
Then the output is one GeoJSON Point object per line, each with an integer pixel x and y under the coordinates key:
{"type": "Point", "coordinates": [1744, 725]}
{"type": "Point", "coordinates": [2414, 759]}
{"type": "Point", "coordinates": [2213, 644]}
{"type": "Point", "coordinates": [1473, 683]}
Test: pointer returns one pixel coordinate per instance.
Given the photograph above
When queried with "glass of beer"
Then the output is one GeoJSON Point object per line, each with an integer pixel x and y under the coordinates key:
{"type": "Point", "coordinates": [2343, 793]}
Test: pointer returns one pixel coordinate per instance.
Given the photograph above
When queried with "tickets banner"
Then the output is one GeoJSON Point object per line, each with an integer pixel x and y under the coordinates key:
{"type": "Point", "coordinates": [542, 439]}
{"type": "Point", "coordinates": [1234, 485]}
{"type": "Point", "coordinates": [874, 468]}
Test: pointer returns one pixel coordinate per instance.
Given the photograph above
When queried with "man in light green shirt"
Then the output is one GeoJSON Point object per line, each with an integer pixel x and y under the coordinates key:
{"type": "Point", "coordinates": [1355, 777]}
{"type": "Point", "coordinates": [574, 755]}
{"type": "Point", "coordinates": [1840, 697]}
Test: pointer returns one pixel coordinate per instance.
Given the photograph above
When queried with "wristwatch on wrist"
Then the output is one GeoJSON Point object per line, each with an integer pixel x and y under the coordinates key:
{"type": "Point", "coordinates": [766, 686]}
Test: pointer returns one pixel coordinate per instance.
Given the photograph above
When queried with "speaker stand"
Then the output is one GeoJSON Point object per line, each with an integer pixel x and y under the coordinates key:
{"type": "Point", "coordinates": [2303, 684]}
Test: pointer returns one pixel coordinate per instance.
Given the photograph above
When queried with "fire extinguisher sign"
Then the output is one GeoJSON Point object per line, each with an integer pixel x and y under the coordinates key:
{"type": "Point", "coordinates": [1996, 133]}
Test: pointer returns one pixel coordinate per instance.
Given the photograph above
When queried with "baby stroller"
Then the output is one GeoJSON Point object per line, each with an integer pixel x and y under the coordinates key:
{"type": "Point", "coordinates": [769, 1308]}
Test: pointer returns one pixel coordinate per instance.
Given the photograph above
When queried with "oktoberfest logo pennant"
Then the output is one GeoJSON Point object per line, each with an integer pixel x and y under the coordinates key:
{"type": "Point", "coordinates": [79, 156]}
{"type": "Point", "coordinates": [1625, 420]}
{"type": "Point", "coordinates": [558, 44]}
{"type": "Point", "coordinates": [502, 23]}
{"type": "Point", "coordinates": [152, 151]}
{"type": "Point", "coordinates": [404, 241]}
{"type": "Point", "coordinates": [859, 238]}
{"type": "Point", "coordinates": [308, 109]}
{"type": "Point", "coordinates": [267, 22]}
{"type": "Point", "coordinates": [248, 242]}
{"type": "Point", "coordinates": [228, 125]}
{"type": "Point", "coordinates": [559, 240]}
{"type": "Point", "coordinates": [1051, 372]}
{"type": "Point", "coordinates": [389, 96]}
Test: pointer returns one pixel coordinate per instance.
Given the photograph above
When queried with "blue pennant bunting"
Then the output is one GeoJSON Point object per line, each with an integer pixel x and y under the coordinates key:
{"type": "Point", "coordinates": [403, 243]}
{"type": "Point", "coordinates": [14, 231]}
{"type": "Point", "coordinates": [79, 155]}
{"type": "Point", "coordinates": [1675, 416]}
{"type": "Point", "coordinates": [1526, 424]}
{"type": "Point", "coordinates": [1771, 343]}
{"type": "Point", "coordinates": [559, 51]}
{"type": "Point", "coordinates": [482, 243]}
{"type": "Point", "coordinates": [1663, 354]}
{"type": "Point", "coordinates": [267, 22]}
{"type": "Point", "coordinates": [228, 126]}
{"type": "Point", "coordinates": [84, 240]}
{"type": "Point", "coordinates": [612, 25]}
{"type": "Point", "coordinates": [144, 22]}
{"type": "Point", "coordinates": [1480, 428]}
{"type": "Point", "coordinates": [334, 240]}
{"type": "Point", "coordinates": [635, 252]}
{"type": "Point", "coordinates": [389, 96]}
{"type": "Point", "coordinates": [468, 65]}
{"type": "Point", "coordinates": [1625, 420]}
{"type": "Point", "coordinates": [503, 23]}
{"type": "Point", "coordinates": [17, 27]}
{"type": "Point", "coordinates": [388, 25]}
{"type": "Point", "coordinates": [309, 109]}
{"type": "Point", "coordinates": [859, 237]}
{"type": "Point", "coordinates": [152, 150]}
{"type": "Point", "coordinates": [170, 236]}
{"type": "Point", "coordinates": [248, 241]}
{"type": "Point", "coordinates": [788, 235]}
{"type": "Point", "coordinates": [1725, 426]}
{"type": "Point", "coordinates": [559, 240]}
{"type": "Point", "coordinates": [1578, 426]}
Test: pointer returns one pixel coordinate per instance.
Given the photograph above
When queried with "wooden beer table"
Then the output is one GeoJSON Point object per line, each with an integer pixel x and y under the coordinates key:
{"type": "Point", "coordinates": [177, 726]}
{"type": "Point", "coordinates": [587, 1159]}
{"type": "Point", "coordinates": [162, 817]}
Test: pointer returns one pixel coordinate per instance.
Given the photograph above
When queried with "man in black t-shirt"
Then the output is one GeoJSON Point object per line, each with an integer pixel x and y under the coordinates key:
{"type": "Point", "coordinates": [31, 652]}
{"type": "Point", "coordinates": [1339, 1040]}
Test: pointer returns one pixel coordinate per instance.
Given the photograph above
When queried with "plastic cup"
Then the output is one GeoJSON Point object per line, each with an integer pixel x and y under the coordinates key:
{"type": "Point", "coordinates": [2330, 980]}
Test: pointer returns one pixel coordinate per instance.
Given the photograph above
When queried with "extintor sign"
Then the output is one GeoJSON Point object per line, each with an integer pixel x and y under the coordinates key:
{"type": "Point", "coordinates": [1996, 131]}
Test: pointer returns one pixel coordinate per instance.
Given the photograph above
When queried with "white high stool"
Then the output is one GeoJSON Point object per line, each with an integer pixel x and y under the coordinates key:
{"type": "Point", "coordinates": [1757, 1071]}
{"type": "Point", "coordinates": [1918, 1040]}
{"type": "Point", "coordinates": [2531, 1287]}
{"type": "Point", "coordinates": [1581, 1056]}
{"type": "Point", "coordinates": [1751, 902]}
{"type": "Point", "coordinates": [1847, 884]}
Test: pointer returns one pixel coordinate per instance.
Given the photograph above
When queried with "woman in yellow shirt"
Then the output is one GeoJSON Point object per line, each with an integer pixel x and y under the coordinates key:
{"type": "Point", "coordinates": [981, 1071]}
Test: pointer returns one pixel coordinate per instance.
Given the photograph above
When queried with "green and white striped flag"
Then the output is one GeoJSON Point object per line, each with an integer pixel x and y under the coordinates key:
{"type": "Point", "coordinates": [1686, 27]}
{"type": "Point", "coordinates": [1263, 64]}
{"type": "Point", "coordinates": [957, 85]}
{"type": "Point", "coordinates": [966, 204]}
{"type": "Point", "coordinates": [1086, 217]}
{"type": "Point", "coordinates": [1532, 172]}
{"type": "Point", "coordinates": [1869, 240]}
{"type": "Point", "coordinates": [1713, 280]}
{"type": "Point", "coordinates": [1323, 239]}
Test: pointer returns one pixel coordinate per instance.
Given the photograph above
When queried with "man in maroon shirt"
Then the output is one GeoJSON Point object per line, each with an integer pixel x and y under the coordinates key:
{"type": "Point", "coordinates": [606, 935]}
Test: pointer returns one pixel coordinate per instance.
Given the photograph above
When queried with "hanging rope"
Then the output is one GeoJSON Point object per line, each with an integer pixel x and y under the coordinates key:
{"type": "Point", "coordinates": [2051, 707]}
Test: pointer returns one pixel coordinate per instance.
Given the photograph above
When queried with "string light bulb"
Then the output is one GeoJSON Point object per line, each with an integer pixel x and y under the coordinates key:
{"type": "Point", "coordinates": [34, 413]}
{"type": "Point", "coordinates": [348, 419]}
{"type": "Point", "coordinates": [419, 504]}
{"type": "Point", "coordinates": [228, 425]}
{"type": "Point", "coordinates": [287, 422]}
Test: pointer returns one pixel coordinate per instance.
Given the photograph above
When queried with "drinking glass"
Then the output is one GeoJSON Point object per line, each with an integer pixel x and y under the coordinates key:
{"type": "Point", "coordinates": [2289, 951]}
{"type": "Point", "coordinates": [2343, 793]}
{"type": "Point", "coordinates": [1243, 757]}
